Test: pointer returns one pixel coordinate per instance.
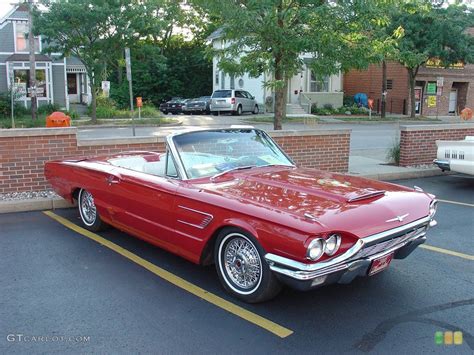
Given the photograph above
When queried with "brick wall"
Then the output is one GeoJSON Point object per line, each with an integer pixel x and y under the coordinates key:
{"type": "Point", "coordinates": [418, 143]}
{"type": "Point", "coordinates": [369, 81]}
{"type": "Point", "coordinates": [23, 152]}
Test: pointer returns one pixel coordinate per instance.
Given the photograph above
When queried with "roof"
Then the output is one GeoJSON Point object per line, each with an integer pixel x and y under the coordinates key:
{"type": "Point", "coordinates": [26, 58]}
{"type": "Point", "coordinates": [18, 11]}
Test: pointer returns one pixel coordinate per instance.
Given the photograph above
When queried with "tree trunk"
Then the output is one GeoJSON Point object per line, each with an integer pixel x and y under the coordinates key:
{"type": "Point", "coordinates": [31, 43]}
{"type": "Point", "coordinates": [280, 95]}
{"type": "Point", "coordinates": [411, 81]}
{"type": "Point", "coordinates": [384, 89]}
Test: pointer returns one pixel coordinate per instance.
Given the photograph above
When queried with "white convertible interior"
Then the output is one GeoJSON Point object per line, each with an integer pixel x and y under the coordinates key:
{"type": "Point", "coordinates": [139, 163]}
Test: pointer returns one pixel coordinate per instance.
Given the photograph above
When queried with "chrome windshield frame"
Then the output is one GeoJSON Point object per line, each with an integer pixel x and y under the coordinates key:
{"type": "Point", "coordinates": [177, 158]}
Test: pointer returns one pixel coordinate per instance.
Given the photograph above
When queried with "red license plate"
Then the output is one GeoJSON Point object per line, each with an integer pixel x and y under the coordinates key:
{"type": "Point", "coordinates": [380, 264]}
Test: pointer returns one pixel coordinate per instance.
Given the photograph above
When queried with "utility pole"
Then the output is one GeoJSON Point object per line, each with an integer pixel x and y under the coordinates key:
{"type": "Point", "coordinates": [128, 64]}
{"type": "Point", "coordinates": [31, 42]}
{"type": "Point", "coordinates": [384, 89]}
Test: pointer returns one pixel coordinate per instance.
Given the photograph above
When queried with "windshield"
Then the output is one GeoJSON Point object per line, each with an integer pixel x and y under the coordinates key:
{"type": "Point", "coordinates": [209, 153]}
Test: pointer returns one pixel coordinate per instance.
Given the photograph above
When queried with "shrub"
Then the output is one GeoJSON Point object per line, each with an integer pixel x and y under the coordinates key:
{"type": "Point", "coordinates": [393, 153]}
{"type": "Point", "coordinates": [348, 100]}
{"type": "Point", "coordinates": [47, 109]}
{"type": "Point", "coordinates": [102, 100]}
{"type": "Point", "coordinates": [5, 105]}
{"type": "Point", "coordinates": [328, 107]}
{"type": "Point", "coordinates": [106, 112]}
{"type": "Point", "coordinates": [149, 111]}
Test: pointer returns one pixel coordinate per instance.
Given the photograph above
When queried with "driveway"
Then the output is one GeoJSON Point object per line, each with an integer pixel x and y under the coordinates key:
{"type": "Point", "coordinates": [66, 290]}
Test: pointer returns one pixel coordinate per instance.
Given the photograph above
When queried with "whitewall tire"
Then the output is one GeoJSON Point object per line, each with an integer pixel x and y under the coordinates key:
{"type": "Point", "coordinates": [242, 268]}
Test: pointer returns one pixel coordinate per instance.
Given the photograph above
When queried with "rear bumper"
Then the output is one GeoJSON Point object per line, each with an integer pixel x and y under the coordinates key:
{"type": "Point", "coordinates": [442, 164]}
{"type": "Point", "coordinates": [195, 109]}
{"type": "Point", "coordinates": [223, 108]}
{"type": "Point", "coordinates": [354, 262]}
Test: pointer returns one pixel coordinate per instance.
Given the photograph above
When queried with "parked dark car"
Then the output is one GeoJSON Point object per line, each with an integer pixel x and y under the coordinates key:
{"type": "Point", "coordinates": [174, 106]}
{"type": "Point", "coordinates": [199, 105]}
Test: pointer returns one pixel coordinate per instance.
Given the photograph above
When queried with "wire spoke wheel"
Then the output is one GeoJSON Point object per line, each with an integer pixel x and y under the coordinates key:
{"type": "Point", "coordinates": [87, 208]}
{"type": "Point", "coordinates": [240, 263]}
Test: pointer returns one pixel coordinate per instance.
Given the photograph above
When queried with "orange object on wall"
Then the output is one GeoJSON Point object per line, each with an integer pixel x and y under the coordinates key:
{"type": "Point", "coordinates": [370, 102]}
{"type": "Point", "coordinates": [58, 119]}
{"type": "Point", "coordinates": [466, 114]}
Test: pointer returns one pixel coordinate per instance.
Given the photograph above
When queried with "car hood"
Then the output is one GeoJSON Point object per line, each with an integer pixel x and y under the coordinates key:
{"type": "Point", "coordinates": [335, 202]}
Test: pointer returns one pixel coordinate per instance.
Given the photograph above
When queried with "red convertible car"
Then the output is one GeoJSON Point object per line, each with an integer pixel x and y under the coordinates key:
{"type": "Point", "coordinates": [232, 197]}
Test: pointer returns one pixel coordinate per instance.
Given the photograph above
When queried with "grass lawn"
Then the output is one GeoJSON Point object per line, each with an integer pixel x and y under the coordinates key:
{"type": "Point", "coordinates": [269, 119]}
{"type": "Point", "coordinates": [23, 122]}
{"type": "Point", "coordinates": [380, 119]}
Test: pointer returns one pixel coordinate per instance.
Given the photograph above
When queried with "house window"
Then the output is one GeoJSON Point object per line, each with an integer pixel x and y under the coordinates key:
{"type": "Point", "coordinates": [22, 82]}
{"type": "Point", "coordinates": [232, 82]}
{"type": "Point", "coordinates": [389, 84]}
{"type": "Point", "coordinates": [21, 40]}
{"type": "Point", "coordinates": [217, 78]}
{"type": "Point", "coordinates": [317, 85]}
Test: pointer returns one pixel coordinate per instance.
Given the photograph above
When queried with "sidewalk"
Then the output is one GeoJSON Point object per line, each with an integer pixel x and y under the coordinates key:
{"type": "Point", "coordinates": [375, 168]}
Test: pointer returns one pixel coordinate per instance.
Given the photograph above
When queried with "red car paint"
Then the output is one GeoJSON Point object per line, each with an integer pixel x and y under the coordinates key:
{"type": "Point", "coordinates": [183, 216]}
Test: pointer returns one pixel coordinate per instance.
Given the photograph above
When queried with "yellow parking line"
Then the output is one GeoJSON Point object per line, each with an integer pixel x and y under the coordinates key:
{"type": "Point", "coordinates": [448, 252]}
{"type": "Point", "coordinates": [230, 307]}
{"type": "Point", "coordinates": [457, 203]}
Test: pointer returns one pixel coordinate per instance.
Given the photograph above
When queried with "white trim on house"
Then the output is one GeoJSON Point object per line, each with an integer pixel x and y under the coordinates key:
{"type": "Point", "coordinates": [14, 40]}
{"type": "Point", "coordinates": [26, 66]}
{"type": "Point", "coordinates": [8, 14]}
{"type": "Point", "coordinates": [65, 85]}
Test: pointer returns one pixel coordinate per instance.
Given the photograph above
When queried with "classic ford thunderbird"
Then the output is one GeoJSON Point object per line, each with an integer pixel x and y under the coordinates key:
{"type": "Point", "coordinates": [233, 198]}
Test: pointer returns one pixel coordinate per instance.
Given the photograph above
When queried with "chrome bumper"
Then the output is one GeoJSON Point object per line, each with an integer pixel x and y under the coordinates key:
{"type": "Point", "coordinates": [354, 262]}
{"type": "Point", "coordinates": [442, 164]}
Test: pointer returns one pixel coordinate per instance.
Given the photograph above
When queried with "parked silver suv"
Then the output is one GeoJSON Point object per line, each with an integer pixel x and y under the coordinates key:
{"type": "Point", "coordinates": [234, 101]}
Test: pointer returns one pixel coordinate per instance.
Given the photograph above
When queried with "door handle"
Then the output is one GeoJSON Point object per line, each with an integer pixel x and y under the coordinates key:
{"type": "Point", "coordinates": [112, 180]}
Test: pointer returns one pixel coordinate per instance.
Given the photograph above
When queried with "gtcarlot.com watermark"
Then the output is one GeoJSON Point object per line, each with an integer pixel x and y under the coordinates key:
{"type": "Point", "coordinates": [34, 338]}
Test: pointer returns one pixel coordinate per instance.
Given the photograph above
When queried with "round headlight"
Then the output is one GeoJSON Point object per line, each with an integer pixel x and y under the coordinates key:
{"type": "Point", "coordinates": [332, 244]}
{"type": "Point", "coordinates": [433, 208]}
{"type": "Point", "coordinates": [315, 249]}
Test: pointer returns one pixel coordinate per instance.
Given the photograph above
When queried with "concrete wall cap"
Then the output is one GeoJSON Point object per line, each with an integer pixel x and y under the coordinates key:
{"type": "Point", "coordinates": [33, 132]}
{"type": "Point", "coordinates": [437, 127]}
{"type": "Point", "coordinates": [118, 141]}
{"type": "Point", "coordinates": [313, 132]}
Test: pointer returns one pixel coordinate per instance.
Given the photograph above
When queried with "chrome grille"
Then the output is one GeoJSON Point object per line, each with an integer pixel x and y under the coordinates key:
{"type": "Point", "coordinates": [387, 244]}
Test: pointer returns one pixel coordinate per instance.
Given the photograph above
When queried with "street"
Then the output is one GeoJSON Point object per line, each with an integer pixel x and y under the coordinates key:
{"type": "Point", "coordinates": [366, 139]}
{"type": "Point", "coordinates": [118, 294]}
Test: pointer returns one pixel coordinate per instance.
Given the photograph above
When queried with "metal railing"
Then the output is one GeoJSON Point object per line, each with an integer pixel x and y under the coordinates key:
{"type": "Point", "coordinates": [304, 100]}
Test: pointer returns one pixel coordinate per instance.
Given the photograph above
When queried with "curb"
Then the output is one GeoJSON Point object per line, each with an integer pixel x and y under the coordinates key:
{"type": "Point", "coordinates": [37, 204]}
{"type": "Point", "coordinates": [57, 203]}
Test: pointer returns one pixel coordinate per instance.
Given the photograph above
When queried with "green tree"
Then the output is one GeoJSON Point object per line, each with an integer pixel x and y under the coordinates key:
{"type": "Point", "coordinates": [432, 31]}
{"type": "Point", "coordinates": [92, 30]}
{"type": "Point", "coordinates": [270, 36]}
{"type": "Point", "coordinates": [183, 70]}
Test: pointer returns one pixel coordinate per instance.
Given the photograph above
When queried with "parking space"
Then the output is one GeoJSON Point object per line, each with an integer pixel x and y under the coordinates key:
{"type": "Point", "coordinates": [123, 295]}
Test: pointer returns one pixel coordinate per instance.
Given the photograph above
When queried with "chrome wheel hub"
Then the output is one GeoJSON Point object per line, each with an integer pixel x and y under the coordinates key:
{"type": "Point", "coordinates": [88, 209]}
{"type": "Point", "coordinates": [242, 263]}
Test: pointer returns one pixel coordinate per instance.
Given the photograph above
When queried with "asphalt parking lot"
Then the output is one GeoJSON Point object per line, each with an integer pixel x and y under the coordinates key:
{"type": "Point", "coordinates": [63, 291]}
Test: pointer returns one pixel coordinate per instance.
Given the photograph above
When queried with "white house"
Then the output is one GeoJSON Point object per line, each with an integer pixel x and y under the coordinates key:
{"type": "Point", "coordinates": [303, 88]}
